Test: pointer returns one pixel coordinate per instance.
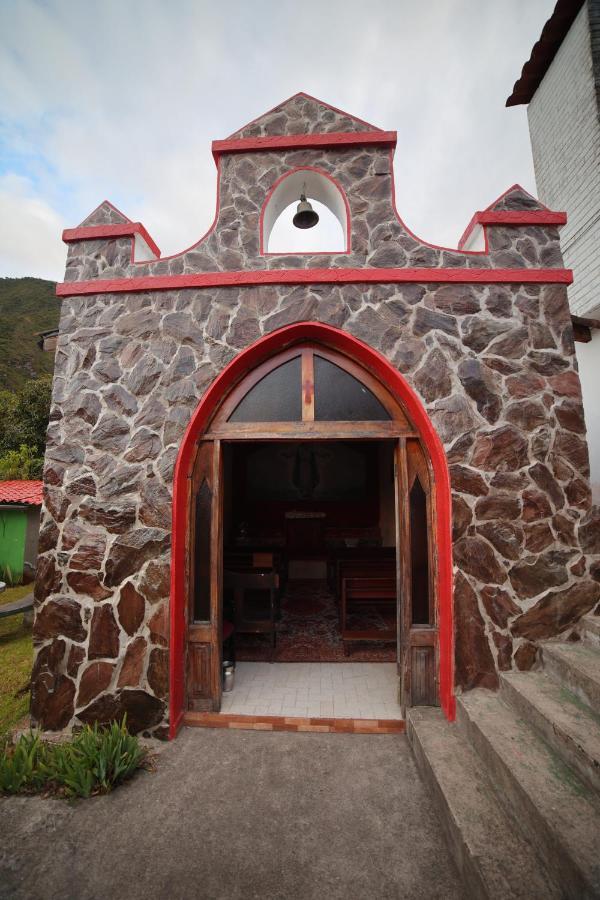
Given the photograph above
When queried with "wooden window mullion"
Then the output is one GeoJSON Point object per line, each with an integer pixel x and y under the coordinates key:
{"type": "Point", "coordinates": [308, 386]}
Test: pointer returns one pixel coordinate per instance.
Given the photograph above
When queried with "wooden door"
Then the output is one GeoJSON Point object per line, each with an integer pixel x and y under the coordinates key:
{"type": "Point", "coordinates": [205, 575]}
{"type": "Point", "coordinates": [415, 560]}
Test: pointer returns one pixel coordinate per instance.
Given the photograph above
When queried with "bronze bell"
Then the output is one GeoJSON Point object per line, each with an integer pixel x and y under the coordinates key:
{"type": "Point", "coordinates": [305, 217]}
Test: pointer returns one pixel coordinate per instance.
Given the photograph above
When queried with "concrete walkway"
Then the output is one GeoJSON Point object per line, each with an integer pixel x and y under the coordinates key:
{"type": "Point", "coordinates": [239, 814]}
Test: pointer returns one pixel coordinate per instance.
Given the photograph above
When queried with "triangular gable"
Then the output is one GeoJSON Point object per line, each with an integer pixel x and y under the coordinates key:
{"type": "Point", "coordinates": [515, 197]}
{"type": "Point", "coordinates": [302, 114]}
{"type": "Point", "coordinates": [105, 214]}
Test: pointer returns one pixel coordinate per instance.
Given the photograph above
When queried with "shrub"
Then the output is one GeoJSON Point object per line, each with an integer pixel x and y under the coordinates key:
{"type": "Point", "coordinates": [93, 762]}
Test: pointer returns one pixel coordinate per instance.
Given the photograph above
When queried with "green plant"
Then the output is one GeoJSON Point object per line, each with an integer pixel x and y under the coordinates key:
{"type": "Point", "coordinates": [24, 766]}
{"type": "Point", "coordinates": [22, 463]}
{"type": "Point", "coordinates": [93, 762]}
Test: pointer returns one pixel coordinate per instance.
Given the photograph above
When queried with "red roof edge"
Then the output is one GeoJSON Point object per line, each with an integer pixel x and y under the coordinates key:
{"type": "Point", "coordinates": [29, 492]}
{"type": "Point", "coordinates": [544, 50]}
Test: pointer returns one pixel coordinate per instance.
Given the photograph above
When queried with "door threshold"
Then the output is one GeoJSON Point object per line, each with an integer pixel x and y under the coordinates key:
{"type": "Point", "coordinates": [292, 723]}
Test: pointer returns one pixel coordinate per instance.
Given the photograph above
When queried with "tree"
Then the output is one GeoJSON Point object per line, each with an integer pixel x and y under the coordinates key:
{"type": "Point", "coordinates": [24, 416]}
{"type": "Point", "coordinates": [21, 464]}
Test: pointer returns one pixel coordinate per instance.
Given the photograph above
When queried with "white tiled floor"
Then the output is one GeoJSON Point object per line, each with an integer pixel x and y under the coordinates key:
{"type": "Point", "coordinates": [338, 690]}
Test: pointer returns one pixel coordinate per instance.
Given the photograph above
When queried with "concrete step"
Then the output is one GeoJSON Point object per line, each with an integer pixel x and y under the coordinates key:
{"type": "Point", "coordinates": [569, 726]}
{"type": "Point", "coordinates": [493, 859]}
{"type": "Point", "coordinates": [589, 627]}
{"type": "Point", "coordinates": [577, 667]}
{"type": "Point", "coordinates": [544, 797]}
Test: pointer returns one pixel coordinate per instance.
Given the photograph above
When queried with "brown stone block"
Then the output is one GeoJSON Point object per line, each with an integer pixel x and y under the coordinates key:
{"type": "Point", "coordinates": [131, 550]}
{"type": "Point", "coordinates": [481, 385]}
{"type": "Point", "coordinates": [476, 557]}
{"type": "Point", "coordinates": [498, 506]}
{"type": "Point", "coordinates": [143, 445]}
{"type": "Point", "coordinates": [535, 506]}
{"type": "Point", "coordinates": [504, 449]}
{"type": "Point", "coordinates": [158, 672]}
{"type": "Point", "coordinates": [104, 633]}
{"type": "Point", "coordinates": [133, 664]}
{"type": "Point", "coordinates": [467, 481]}
{"type": "Point", "coordinates": [159, 626]}
{"type": "Point", "coordinates": [95, 679]}
{"type": "Point", "coordinates": [48, 579]}
{"type": "Point", "coordinates": [570, 416]}
{"type": "Point", "coordinates": [574, 450]}
{"type": "Point", "coordinates": [548, 484]}
{"type": "Point", "coordinates": [525, 656]}
{"type": "Point", "coordinates": [525, 384]}
{"type": "Point", "coordinates": [505, 537]}
{"type": "Point", "coordinates": [526, 414]}
{"type": "Point", "coordinates": [474, 661]}
{"type": "Point", "coordinates": [155, 583]}
{"type": "Point", "coordinates": [59, 617]}
{"type": "Point", "coordinates": [52, 701]}
{"type": "Point", "coordinates": [499, 605]}
{"type": "Point", "coordinates": [452, 417]}
{"type": "Point", "coordinates": [589, 531]}
{"type": "Point", "coordinates": [564, 529]}
{"type": "Point", "coordinates": [155, 504]}
{"type": "Point", "coordinates": [512, 345]}
{"type": "Point", "coordinates": [87, 583]}
{"type": "Point", "coordinates": [556, 611]}
{"type": "Point", "coordinates": [433, 380]}
{"type": "Point", "coordinates": [566, 384]}
{"type": "Point", "coordinates": [530, 577]}
{"type": "Point", "coordinates": [89, 554]}
{"type": "Point", "coordinates": [131, 608]}
{"type": "Point", "coordinates": [457, 299]}
{"type": "Point", "coordinates": [578, 493]}
{"type": "Point", "coordinates": [114, 517]}
{"type": "Point", "coordinates": [504, 647]}
{"type": "Point", "coordinates": [143, 711]}
{"type": "Point", "coordinates": [538, 536]}
{"type": "Point", "coordinates": [461, 517]}
{"type": "Point", "coordinates": [76, 657]}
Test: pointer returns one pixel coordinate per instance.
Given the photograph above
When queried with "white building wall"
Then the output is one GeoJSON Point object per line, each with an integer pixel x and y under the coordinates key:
{"type": "Point", "coordinates": [565, 135]}
{"type": "Point", "coordinates": [588, 358]}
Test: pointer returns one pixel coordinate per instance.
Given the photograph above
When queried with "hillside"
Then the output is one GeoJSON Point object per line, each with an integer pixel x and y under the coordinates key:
{"type": "Point", "coordinates": [27, 306]}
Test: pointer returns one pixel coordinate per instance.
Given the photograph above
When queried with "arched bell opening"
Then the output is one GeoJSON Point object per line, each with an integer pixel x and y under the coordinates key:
{"type": "Point", "coordinates": [289, 195]}
{"type": "Point", "coordinates": [325, 386]}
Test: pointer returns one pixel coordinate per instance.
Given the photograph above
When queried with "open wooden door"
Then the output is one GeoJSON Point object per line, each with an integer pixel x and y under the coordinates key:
{"type": "Point", "coordinates": [416, 626]}
{"type": "Point", "coordinates": [205, 574]}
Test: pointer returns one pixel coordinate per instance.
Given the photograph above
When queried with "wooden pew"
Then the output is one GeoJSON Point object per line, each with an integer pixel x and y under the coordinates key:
{"type": "Point", "coordinates": [364, 588]}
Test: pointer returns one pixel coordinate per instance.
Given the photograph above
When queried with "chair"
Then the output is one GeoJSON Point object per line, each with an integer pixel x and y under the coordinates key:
{"type": "Point", "coordinates": [252, 616]}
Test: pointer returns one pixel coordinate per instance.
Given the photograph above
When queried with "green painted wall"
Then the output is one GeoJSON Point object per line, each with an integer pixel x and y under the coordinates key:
{"type": "Point", "coordinates": [13, 527]}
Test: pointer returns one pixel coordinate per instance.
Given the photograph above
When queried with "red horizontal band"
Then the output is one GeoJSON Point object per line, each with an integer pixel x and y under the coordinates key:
{"type": "Point", "coordinates": [512, 218]}
{"type": "Point", "coordinates": [303, 141]}
{"type": "Point", "coordinates": [314, 276]}
{"type": "Point", "coordinates": [96, 232]}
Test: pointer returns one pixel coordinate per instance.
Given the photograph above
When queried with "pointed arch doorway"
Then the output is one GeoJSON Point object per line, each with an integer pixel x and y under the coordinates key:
{"type": "Point", "coordinates": [310, 383]}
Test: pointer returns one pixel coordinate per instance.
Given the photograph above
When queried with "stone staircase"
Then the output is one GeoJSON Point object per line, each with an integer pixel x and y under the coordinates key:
{"type": "Point", "coordinates": [517, 777]}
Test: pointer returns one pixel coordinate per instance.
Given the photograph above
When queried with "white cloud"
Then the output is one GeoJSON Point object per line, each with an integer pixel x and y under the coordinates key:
{"type": "Point", "coordinates": [30, 232]}
{"type": "Point", "coordinates": [121, 100]}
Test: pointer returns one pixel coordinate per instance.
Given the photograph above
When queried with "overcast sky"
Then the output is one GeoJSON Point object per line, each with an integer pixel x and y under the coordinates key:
{"type": "Point", "coordinates": [121, 100]}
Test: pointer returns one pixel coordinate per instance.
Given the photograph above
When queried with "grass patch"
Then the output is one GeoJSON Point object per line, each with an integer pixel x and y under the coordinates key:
{"type": "Point", "coordinates": [16, 658]}
{"type": "Point", "coordinates": [94, 761]}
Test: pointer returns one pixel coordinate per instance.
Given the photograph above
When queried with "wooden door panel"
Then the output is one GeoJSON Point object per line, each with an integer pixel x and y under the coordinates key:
{"type": "Point", "coordinates": [204, 580]}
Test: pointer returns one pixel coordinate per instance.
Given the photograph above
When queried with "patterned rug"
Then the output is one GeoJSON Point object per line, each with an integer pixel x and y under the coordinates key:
{"type": "Point", "coordinates": [309, 630]}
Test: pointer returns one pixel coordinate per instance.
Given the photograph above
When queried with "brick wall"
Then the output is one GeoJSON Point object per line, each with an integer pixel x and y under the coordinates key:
{"type": "Point", "coordinates": [565, 137]}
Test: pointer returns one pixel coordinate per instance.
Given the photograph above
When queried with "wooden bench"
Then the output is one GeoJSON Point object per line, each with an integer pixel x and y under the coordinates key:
{"type": "Point", "coordinates": [366, 588]}
{"type": "Point", "coordinates": [24, 605]}
{"type": "Point", "coordinates": [362, 566]}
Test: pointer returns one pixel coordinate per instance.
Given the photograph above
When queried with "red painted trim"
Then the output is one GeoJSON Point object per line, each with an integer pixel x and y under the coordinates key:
{"type": "Point", "coordinates": [342, 112]}
{"type": "Point", "coordinates": [297, 141]}
{"type": "Point", "coordinates": [314, 276]}
{"type": "Point", "coordinates": [244, 362]}
{"type": "Point", "coordinates": [96, 232]}
{"type": "Point", "coordinates": [276, 184]}
{"type": "Point", "coordinates": [512, 218]}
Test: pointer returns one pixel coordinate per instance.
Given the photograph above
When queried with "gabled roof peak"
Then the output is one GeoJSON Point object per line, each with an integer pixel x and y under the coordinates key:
{"type": "Point", "coordinates": [302, 114]}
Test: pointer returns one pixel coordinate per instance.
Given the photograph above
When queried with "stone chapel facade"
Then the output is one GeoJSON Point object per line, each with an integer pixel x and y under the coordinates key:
{"type": "Point", "coordinates": [483, 337]}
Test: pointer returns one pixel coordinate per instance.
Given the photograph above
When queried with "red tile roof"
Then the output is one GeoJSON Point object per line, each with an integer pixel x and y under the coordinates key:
{"type": "Point", "coordinates": [21, 492]}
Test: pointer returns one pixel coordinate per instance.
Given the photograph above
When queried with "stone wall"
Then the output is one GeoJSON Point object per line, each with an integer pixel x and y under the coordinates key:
{"type": "Point", "coordinates": [494, 366]}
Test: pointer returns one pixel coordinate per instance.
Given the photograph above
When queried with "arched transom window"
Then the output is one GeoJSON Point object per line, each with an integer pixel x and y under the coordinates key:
{"type": "Point", "coordinates": [306, 386]}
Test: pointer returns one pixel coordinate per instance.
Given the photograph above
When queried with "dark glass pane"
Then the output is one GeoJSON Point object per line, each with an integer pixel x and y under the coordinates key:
{"type": "Point", "coordinates": [419, 555]}
{"type": "Point", "coordinates": [276, 398]}
{"type": "Point", "coordinates": [339, 397]}
{"type": "Point", "coordinates": [202, 554]}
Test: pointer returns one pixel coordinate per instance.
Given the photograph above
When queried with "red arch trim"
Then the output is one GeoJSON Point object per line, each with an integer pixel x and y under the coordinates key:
{"type": "Point", "coordinates": [248, 359]}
